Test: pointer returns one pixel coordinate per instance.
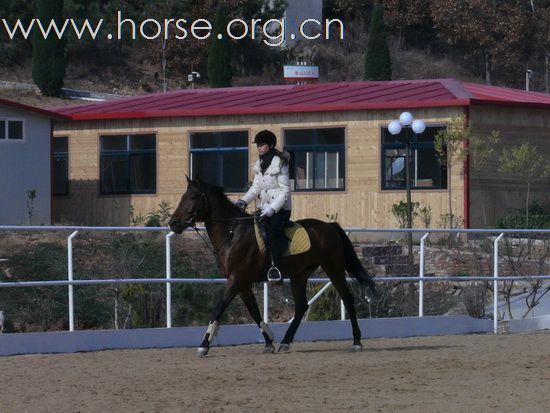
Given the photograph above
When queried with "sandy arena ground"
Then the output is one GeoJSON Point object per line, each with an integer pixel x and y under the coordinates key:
{"type": "Point", "coordinates": [473, 373]}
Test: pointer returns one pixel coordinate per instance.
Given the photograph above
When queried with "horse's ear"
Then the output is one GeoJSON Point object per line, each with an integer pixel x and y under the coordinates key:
{"type": "Point", "coordinates": [193, 182]}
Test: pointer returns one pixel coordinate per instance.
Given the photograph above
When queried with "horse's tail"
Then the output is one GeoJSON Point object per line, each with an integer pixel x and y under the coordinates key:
{"type": "Point", "coordinates": [353, 265]}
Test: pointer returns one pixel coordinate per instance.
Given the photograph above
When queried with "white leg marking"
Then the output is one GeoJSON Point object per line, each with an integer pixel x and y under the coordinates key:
{"type": "Point", "coordinates": [265, 328]}
{"type": "Point", "coordinates": [212, 330]}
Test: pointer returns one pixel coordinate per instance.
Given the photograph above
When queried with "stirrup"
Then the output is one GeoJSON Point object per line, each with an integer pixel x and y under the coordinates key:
{"type": "Point", "coordinates": [274, 275]}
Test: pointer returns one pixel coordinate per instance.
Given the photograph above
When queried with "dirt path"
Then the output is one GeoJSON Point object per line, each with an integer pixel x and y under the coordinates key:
{"type": "Point", "coordinates": [475, 373]}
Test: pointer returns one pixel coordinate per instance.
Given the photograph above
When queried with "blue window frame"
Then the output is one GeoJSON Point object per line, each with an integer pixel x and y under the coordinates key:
{"type": "Point", "coordinates": [220, 158]}
{"type": "Point", "coordinates": [317, 160]}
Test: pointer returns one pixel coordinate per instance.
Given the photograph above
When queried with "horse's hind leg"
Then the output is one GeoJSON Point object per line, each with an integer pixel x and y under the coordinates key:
{"type": "Point", "coordinates": [341, 285]}
{"type": "Point", "coordinates": [252, 305]}
{"type": "Point", "coordinates": [298, 285]}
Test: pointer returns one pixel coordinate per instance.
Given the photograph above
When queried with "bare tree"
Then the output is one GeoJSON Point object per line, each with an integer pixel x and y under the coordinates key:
{"type": "Point", "coordinates": [525, 162]}
{"type": "Point", "coordinates": [450, 146]}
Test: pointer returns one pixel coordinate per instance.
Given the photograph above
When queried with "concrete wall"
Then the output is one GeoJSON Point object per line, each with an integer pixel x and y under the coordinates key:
{"type": "Point", "coordinates": [25, 166]}
{"type": "Point", "coordinates": [94, 340]}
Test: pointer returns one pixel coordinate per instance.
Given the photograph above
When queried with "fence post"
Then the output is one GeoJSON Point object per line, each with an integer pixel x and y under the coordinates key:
{"type": "Point", "coordinates": [168, 283]}
{"type": "Point", "coordinates": [495, 284]}
{"type": "Point", "coordinates": [266, 302]}
{"type": "Point", "coordinates": [70, 278]}
{"type": "Point", "coordinates": [421, 275]}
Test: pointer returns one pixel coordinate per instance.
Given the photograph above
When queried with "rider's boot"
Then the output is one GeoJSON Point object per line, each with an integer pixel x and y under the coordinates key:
{"type": "Point", "coordinates": [278, 246]}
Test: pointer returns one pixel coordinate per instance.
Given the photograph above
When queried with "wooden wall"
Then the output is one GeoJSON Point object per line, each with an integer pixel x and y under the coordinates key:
{"type": "Point", "coordinates": [492, 193]}
{"type": "Point", "coordinates": [362, 204]}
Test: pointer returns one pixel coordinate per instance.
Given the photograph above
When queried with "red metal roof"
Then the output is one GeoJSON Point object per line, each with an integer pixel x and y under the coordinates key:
{"type": "Point", "coordinates": [318, 97]}
{"type": "Point", "coordinates": [27, 108]}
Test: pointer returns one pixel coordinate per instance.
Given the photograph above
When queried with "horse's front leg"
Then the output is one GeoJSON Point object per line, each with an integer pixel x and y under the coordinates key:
{"type": "Point", "coordinates": [252, 305]}
{"type": "Point", "coordinates": [229, 293]}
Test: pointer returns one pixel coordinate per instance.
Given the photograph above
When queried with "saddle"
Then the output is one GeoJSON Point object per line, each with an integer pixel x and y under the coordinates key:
{"type": "Point", "coordinates": [298, 238]}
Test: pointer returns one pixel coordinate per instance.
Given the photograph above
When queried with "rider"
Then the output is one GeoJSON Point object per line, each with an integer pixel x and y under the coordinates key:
{"type": "Point", "coordinates": [271, 190]}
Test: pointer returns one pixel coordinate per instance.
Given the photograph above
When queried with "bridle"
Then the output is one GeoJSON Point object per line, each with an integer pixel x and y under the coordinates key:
{"type": "Point", "coordinates": [193, 216]}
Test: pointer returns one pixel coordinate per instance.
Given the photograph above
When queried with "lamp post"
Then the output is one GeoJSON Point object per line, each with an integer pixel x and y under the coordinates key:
{"type": "Point", "coordinates": [406, 122]}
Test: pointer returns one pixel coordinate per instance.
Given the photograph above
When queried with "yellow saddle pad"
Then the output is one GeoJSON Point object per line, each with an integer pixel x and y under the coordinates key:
{"type": "Point", "coordinates": [299, 239]}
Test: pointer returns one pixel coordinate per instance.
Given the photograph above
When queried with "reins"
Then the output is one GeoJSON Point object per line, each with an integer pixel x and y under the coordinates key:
{"type": "Point", "coordinates": [231, 229]}
{"type": "Point", "coordinates": [213, 250]}
{"type": "Point", "coordinates": [235, 221]}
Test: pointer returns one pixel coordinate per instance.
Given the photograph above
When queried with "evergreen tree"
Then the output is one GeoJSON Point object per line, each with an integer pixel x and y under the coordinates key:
{"type": "Point", "coordinates": [219, 55]}
{"type": "Point", "coordinates": [48, 57]}
{"type": "Point", "coordinates": [377, 55]}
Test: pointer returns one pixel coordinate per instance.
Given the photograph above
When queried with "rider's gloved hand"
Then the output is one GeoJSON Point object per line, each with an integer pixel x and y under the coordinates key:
{"type": "Point", "coordinates": [267, 211]}
{"type": "Point", "coordinates": [240, 204]}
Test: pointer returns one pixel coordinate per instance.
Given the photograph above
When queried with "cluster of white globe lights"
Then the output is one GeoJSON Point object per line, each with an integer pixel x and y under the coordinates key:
{"type": "Point", "coordinates": [406, 119]}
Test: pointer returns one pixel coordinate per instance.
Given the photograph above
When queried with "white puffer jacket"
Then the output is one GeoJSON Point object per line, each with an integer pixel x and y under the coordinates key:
{"type": "Point", "coordinates": [272, 187]}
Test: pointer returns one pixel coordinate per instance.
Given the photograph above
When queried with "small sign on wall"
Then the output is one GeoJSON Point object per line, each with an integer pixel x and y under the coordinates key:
{"type": "Point", "coordinates": [299, 73]}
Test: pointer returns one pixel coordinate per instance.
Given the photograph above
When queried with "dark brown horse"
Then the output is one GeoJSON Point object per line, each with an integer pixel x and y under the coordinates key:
{"type": "Point", "coordinates": [241, 262]}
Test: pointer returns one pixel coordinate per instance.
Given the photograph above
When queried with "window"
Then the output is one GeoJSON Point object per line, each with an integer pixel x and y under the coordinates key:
{"type": "Point", "coordinates": [11, 129]}
{"type": "Point", "coordinates": [128, 164]}
{"type": "Point", "coordinates": [220, 158]}
{"type": "Point", "coordinates": [60, 166]}
{"type": "Point", "coordinates": [426, 171]}
{"type": "Point", "coordinates": [317, 158]}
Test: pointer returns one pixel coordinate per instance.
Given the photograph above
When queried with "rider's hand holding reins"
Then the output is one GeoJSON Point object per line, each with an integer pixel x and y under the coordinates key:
{"type": "Point", "coordinates": [240, 204]}
{"type": "Point", "coordinates": [267, 211]}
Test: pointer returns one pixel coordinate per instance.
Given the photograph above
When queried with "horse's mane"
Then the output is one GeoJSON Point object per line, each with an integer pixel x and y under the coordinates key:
{"type": "Point", "coordinates": [225, 202]}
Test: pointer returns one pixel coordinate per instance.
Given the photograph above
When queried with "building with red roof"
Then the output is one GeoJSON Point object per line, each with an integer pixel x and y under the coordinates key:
{"type": "Point", "coordinates": [128, 155]}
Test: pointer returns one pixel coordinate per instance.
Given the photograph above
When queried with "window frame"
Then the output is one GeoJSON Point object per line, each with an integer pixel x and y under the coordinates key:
{"type": "Point", "coordinates": [7, 120]}
{"type": "Point", "coordinates": [60, 155]}
{"type": "Point", "coordinates": [219, 151]}
{"type": "Point", "coordinates": [129, 153]}
{"type": "Point", "coordinates": [316, 148]}
{"type": "Point", "coordinates": [414, 146]}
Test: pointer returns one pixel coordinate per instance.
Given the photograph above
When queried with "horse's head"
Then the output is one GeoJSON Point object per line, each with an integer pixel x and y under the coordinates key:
{"type": "Point", "coordinates": [193, 207]}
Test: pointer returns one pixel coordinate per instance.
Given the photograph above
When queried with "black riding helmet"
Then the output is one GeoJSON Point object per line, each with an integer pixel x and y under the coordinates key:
{"type": "Point", "coordinates": [266, 136]}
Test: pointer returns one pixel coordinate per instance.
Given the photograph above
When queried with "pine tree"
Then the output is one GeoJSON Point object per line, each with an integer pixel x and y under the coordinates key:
{"type": "Point", "coordinates": [377, 55]}
{"type": "Point", "coordinates": [219, 55]}
{"type": "Point", "coordinates": [48, 56]}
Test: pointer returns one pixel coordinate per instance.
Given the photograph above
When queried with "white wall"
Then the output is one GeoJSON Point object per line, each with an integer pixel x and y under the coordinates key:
{"type": "Point", "coordinates": [25, 166]}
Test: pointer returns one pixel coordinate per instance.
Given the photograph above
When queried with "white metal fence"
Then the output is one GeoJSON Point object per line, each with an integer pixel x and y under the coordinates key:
{"type": "Point", "coordinates": [168, 280]}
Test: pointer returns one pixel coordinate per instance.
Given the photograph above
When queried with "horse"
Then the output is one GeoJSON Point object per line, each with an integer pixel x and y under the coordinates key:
{"type": "Point", "coordinates": [231, 232]}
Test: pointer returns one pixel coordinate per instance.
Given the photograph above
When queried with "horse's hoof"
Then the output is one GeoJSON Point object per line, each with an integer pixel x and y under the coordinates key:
{"type": "Point", "coordinates": [202, 351]}
{"type": "Point", "coordinates": [269, 349]}
{"type": "Point", "coordinates": [284, 348]}
{"type": "Point", "coordinates": [357, 347]}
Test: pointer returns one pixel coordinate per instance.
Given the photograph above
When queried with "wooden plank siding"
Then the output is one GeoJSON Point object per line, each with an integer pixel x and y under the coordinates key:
{"type": "Point", "coordinates": [492, 193]}
{"type": "Point", "coordinates": [362, 204]}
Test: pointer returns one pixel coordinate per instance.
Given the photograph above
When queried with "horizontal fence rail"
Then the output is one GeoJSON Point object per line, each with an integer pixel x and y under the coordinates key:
{"type": "Point", "coordinates": [223, 280]}
{"type": "Point", "coordinates": [168, 280]}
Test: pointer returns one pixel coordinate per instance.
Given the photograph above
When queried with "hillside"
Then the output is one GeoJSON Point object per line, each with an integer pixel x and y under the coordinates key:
{"type": "Point", "coordinates": [427, 39]}
{"type": "Point", "coordinates": [133, 78]}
